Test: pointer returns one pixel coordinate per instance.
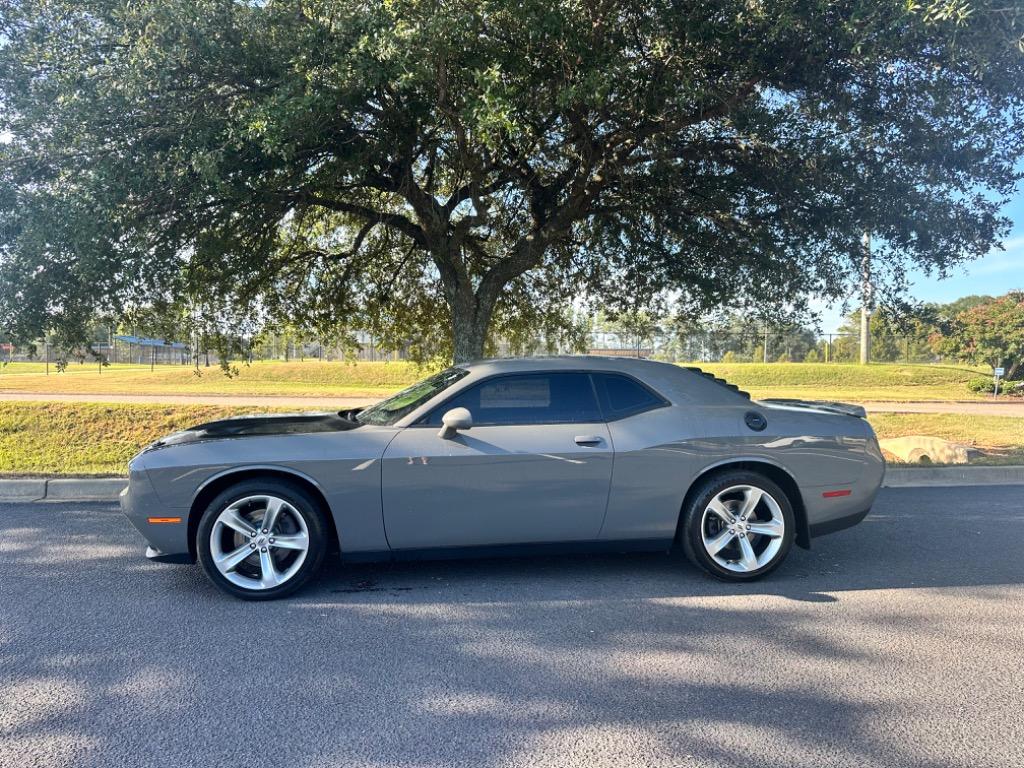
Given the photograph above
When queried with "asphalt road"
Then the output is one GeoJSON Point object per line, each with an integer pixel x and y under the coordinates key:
{"type": "Point", "coordinates": [897, 643]}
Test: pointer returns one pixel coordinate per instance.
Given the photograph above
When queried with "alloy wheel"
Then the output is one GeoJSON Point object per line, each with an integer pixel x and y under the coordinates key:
{"type": "Point", "coordinates": [742, 528]}
{"type": "Point", "coordinates": [259, 542]}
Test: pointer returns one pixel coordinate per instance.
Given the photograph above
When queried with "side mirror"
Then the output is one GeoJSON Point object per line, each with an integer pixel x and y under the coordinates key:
{"type": "Point", "coordinates": [455, 420]}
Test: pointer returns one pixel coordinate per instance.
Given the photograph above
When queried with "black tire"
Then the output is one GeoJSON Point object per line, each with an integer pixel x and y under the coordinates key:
{"type": "Point", "coordinates": [692, 519]}
{"type": "Point", "coordinates": [300, 501]}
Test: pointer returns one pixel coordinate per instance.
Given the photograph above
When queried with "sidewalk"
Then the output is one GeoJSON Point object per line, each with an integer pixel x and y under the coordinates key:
{"type": "Point", "coordinates": [1005, 407]}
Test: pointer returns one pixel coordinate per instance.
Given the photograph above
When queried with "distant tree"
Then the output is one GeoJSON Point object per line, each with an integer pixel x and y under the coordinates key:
{"type": "Point", "coordinates": [954, 308]}
{"type": "Point", "coordinates": [636, 329]}
{"type": "Point", "coordinates": [445, 172]}
{"type": "Point", "coordinates": [991, 333]}
{"type": "Point", "coordinates": [792, 342]}
{"type": "Point", "coordinates": [936, 322]}
{"type": "Point", "coordinates": [742, 334]}
{"type": "Point", "coordinates": [889, 335]}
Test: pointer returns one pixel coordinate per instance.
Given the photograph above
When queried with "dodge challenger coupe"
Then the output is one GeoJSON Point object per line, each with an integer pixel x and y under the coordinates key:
{"type": "Point", "coordinates": [499, 456]}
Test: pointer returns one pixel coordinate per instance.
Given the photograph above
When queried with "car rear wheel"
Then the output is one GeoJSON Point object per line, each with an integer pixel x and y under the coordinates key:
{"type": "Point", "coordinates": [738, 526]}
{"type": "Point", "coordinates": [261, 539]}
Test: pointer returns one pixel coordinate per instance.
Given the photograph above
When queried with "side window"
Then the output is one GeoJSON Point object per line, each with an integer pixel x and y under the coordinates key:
{"type": "Point", "coordinates": [536, 398]}
{"type": "Point", "coordinates": [622, 396]}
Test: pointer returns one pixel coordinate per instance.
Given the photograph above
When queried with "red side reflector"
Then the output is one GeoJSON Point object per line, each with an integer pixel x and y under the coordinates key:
{"type": "Point", "coordinates": [163, 520]}
{"type": "Point", "coordinates": [834, 494]}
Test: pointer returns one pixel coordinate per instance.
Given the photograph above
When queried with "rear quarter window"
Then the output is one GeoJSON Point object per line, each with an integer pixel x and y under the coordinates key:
{"type": "Point", "coordinates": [623, 396]}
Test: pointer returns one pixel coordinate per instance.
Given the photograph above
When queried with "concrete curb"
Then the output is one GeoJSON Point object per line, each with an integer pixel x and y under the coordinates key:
{"type": "Point", "coordinates": [108, 488]}
{"type": "Point", "coordinates": [62, 489]}
{"type": "Point", "coordinates": [98, 489]}
{"type": "Point", "coordinates": [22, 490]}
{"type": "Point", "coordinates": [916, 477]}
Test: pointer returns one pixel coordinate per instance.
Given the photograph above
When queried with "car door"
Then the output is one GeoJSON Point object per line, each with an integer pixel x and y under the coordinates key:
{"type": "Point", "coordinates": [535, 467]}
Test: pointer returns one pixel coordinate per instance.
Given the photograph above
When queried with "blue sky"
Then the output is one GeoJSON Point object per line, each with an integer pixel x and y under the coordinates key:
{"type": "Point", "coordinates": [995, 274]}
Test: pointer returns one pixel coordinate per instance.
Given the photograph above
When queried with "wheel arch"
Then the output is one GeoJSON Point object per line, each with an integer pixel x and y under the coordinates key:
{"type": "Point", "coordinates": [777, 474]}
{"type": "Point", "coordinates": [224, 480]}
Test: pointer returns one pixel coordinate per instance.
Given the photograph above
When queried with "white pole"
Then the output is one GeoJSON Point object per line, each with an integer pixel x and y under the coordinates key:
{"type": "Point", "coordinates": [865, 307]}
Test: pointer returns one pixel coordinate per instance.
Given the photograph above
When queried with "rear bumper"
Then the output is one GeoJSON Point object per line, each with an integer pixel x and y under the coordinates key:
{"type": "Point", "coordinates": [837, 523]}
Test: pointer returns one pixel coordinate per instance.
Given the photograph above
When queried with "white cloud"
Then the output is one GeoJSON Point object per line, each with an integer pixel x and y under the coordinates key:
{"type": "Point", "coordinates": [1008, 260]}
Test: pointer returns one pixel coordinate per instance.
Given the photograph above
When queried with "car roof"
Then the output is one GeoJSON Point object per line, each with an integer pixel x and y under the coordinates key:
{"type": "Point", "coordinates": [674, 382]}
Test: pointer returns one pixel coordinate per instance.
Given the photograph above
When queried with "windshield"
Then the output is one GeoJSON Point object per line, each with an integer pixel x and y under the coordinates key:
{"type": "Point", "coordinates": [389, 411]}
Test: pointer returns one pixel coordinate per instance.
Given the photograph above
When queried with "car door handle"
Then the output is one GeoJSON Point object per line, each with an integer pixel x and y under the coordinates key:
{"type": "Point", "coordinates": [588, 440]}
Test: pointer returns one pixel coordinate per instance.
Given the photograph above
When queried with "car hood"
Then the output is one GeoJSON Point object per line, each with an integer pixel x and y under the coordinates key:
{"type": "Point", "coordinates": [261, 425]}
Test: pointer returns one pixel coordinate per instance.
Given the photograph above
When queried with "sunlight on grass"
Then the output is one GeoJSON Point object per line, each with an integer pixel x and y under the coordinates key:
{"type": "Point", "coordinates": [316, 379]}
{"type": "Point", "coordinates": [859, 383]}
{"type": "Point", "coordinates": [261, 378]}
{"type": "Point", "coordinates": [89, 438]}
{"type": "Point", "coordinates": [100, 438]}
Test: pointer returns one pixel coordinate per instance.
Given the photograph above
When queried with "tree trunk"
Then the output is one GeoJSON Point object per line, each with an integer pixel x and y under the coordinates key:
{"type": "Point", "coordinates": [472, 308]}
{"type": "Point", "coordinates": [471, 320]}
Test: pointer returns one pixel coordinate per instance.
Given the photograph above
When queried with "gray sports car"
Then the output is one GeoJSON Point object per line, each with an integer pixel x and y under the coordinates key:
{"type": "Point", "coordinates": [572, 453]}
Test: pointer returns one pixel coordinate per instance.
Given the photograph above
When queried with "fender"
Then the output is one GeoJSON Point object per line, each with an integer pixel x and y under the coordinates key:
{"type": "Point", "coordinates": [243, 468]}
{"type": "Point", "coordinates": [803, 531]}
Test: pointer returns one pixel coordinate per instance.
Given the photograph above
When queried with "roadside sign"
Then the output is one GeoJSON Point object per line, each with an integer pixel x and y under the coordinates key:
{"type": "Point", "coordinates": [1000, 372]}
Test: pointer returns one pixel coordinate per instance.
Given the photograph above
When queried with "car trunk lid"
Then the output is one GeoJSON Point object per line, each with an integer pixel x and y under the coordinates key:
{"type": "Point", "coordinates": [825, 406]}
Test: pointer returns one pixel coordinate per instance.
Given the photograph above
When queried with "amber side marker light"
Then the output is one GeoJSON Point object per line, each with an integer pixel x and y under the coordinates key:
{"type": "Point", "coordinates": [834, 494]}
{"type": "Point", "coordinates": [163, 520]}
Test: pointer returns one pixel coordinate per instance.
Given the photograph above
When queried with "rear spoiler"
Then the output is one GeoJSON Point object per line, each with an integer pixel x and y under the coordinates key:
{"type": "Point", "coordinates": [821, 405]}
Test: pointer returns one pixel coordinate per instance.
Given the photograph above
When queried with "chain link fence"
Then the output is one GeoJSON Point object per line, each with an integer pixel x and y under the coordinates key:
{"type": "Point", "coordinates": [765, 346]}
{"type": "Point", "coordinates": [711, 346]}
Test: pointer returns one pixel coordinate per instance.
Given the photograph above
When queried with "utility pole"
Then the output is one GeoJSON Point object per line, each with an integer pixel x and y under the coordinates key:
{"type": "Point", "coordinates": [766, 343]}
{"type": "Point", "coordinates": [865, 307]}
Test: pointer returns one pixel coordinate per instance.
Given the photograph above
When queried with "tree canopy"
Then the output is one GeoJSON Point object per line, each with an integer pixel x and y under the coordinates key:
{"type": "Point", "coordinates": [991, 332]}
{"type": "Point", "coordinates": [434, 171]}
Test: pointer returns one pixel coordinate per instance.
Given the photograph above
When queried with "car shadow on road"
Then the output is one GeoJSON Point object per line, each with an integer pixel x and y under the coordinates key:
{"type": "Point", "coordinates": [915, 539]}
{"type": "Point", "coordinates": [106, 659]}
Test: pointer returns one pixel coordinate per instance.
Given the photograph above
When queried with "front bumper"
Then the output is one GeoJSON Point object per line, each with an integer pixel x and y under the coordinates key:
{"type": "Point", "coordinates": [165, 530]}
{"type": "Point", "coordinates": [181, 558]}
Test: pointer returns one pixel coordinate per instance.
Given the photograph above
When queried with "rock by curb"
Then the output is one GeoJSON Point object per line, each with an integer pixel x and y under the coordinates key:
{"type": "Point", "coordinates": [928, 449]}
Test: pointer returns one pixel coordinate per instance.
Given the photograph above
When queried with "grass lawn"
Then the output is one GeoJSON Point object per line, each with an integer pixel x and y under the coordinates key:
{"type": "Point", "coordinates": [311, 378]}
{"type": "Point", "coordinates": [844, 381]}
{"type": "Point", "coordinates": [89, 438]}
{"type": "Point", "coordinates": [1002, 437]}
{"type": "Point", "coordinates": [315, 379]}
{"type": "Point", "coordinates": [99, 438]}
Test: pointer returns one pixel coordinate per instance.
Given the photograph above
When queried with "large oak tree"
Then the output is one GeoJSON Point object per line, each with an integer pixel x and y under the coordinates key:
{"type": "Point", "coordinates": [440, 170]}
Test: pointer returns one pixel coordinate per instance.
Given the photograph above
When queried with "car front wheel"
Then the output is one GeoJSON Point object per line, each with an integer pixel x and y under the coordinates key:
{"type": "Point", "coordinates": [260, 540]}
{"type": "Point", "coordinates": [738, 526]}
